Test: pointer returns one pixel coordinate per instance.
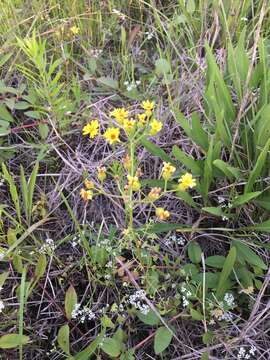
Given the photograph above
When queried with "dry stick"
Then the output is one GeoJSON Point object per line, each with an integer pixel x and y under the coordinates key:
{"type": "Point", "coordinates": [246, 92]}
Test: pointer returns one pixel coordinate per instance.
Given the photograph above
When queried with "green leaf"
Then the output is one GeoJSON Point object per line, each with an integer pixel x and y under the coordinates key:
{"type": "Point", "coordinates": [13, 191]}
{"type": "Point", "coordinates": [190, 6]}
{"type": "Point", "coordinates": [41, 266]}
{"type": "Point", "coordinates": [188, 161]}
{"type": "Point", "coordinates": [211, 279]}
{"type": "Point", "coordinates": [91, 348]}
{"type": "Point", "coordinates": [182, 120]}
{"type": "Point", "coordinates": [165, 227]}
{"type": "Point", "coordinates": [249, 255]}
{"type": "Point", "coordinates": [256, 172]}
{"type": "Point", "coordinates": [162, 340]}
{"type": "Point", "coordinates": [199, 136]}
{"type": "Point", "coordinates": [184, 195]}
{"type": "Point", "coordinates": [11, 341]}
{"type": "Point", "coordinates": [205, 356]}
{"type": "Point", "coordinates": [207, 171]}
{"type": "Point", "coordinates": [5, 114]}
{"type": "Point", "coordinates": [108, 82]}
{"type": "Point", "coordinates": [156, 151]}
{"type": "Point", "coordinates": [243, 199]}
{"type": "Point", "coordinates": [63, 339]}
{"type": "Point", "coordinates": [3, 278]}
{"type": "Point", "coordinates": [226, 271]}
{"type": "Point", "coordinates": [150, 318]}
{"type": "Point", "coordinates": [111, 346]}
{"type": "Point", "coordinates": [264, 226]}
{"type": "Point", "coordinates": [196, 315]}
{"type": "Point", "coordinates": [194, 252]}
{"type": "Point", "coordinates": [215, 261]}
{"type": "Point", "coordinates": [162, 67]}
{"type": "Point", "coordinates": [70, 301]}
{"type": "Point", "coordinates": [229, 171]}
{"type": "Point", "coordinates": [208, 337]}
{"type": "Point", "coordinates": [43, 131]}
{"type": "Point", "coordinates": [215, 211]}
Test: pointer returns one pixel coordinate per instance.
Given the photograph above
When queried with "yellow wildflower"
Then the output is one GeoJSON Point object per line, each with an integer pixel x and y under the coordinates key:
{"type": "Point", "coordinates": [129, 125]}
{"type": "Point", "coordinates": [102, 173]}
{"type": "Point", "coordinates": [186, 181]}
{"type": "Point", "coordinates": [120, 115]}
{"type": "Point", "coordinates": [133, 183]}
{"type": "Point", "coordinates": [167, 171]}
{"type": "Point", "coordinates": [249, 290]}
{"type": "Point", "coordinates": [154, 194]}
{"type": "Point", "coordinates": [112, 135]}
{"type": "Point", "coordinates": [142, 119]}
{"type": "Point", "coordinates": [156, 126]}
{"type": "Point", "coordinates": [86, 194]}
{"type": "Point", "coordinates": [75, 30]}
{"type": "Point", "coordinates": [91, 128]}
{"type": "Point", "coordinates": [162, 214]}
{"type": "Point", "coordinates": [89, 184]}
{"type": "Point", "coordinates": [148, 106]}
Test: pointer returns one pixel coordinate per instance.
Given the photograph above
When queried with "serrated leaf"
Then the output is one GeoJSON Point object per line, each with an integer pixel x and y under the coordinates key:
{"type": "Point", "coordinates": [11, 341]}
{"type": "Point", "coordinates": [194, 252]}
{"type": "Point", "coordinates": [162, 340]}
{"type": "Point", "coordinates": [70, 301]}
{"type": "Point", "coordinates": [63, 339]}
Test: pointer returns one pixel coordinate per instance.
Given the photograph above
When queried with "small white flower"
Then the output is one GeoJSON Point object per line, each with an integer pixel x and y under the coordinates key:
{"type": "Point", "coordinates": [2, 306]}
{"type": "Point", "coordinates": [229, 299]}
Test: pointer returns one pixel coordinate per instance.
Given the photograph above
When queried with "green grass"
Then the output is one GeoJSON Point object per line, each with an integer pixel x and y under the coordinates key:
{"type": "Point", "coordinates": [202, 274]}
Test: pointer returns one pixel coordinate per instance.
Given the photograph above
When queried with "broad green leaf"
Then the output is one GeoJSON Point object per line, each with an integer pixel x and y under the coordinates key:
{"type": "Point", "coordinates": [11, 341]}
{"type": "Point", "coordinates": [243, 199]}
{"type": "Point", "coordinates": [162, 340]}
{"type": "Point", "coordinates": [111, 346]}
{"type": "Point", "coordinates": [70, 301]}
{"type": "Point", "coordinates": [199, 136]}
{"type": "Point", "coordinates": [264, 202]}
{"type": "Point", "coordinates": [183, 122]}
{"type": "Point", "coordinates": [150, 318]}
{"type": "Point", "coordinates": [5, 114]}
{"type": "Point", "coordinates": [3, 278]}
{"type": "Point", "coordinates": [108, 82]}
{"type": "Point", "coordinates": [196, 315]}
{"type": "Point", "coordinates": [91, 348]}
{"type": "Point", "coordinates": [188, 161]}
{"type": "Point", "coordinates": [215, 211]}
{"type": "Point", "coordinates": [41, 266]}
{"type": "Point", "coordinates": [194, 252]}
{"type": "Point", "coordinates": [43, 131]}
{"type": "Point", "coordinates": [156, 151]}
{"type": "Point", "coordinates": [63, 339]}
{"type": "Point", "coordinates": [31, 188]}
{"type": "Point", "coordinates": [215, 261]}
{"type": "Point", "coordinates": [226, 271]}
{"type": "Point", "coordinates": [257, 170]}
{"type": "Point", "coordinates": [184, 195]}
{"type": "Point", "coordinates": [162, 67]}
{"type": "Point", "coordinates": [165, 227]}
{"type": "Point", "coordinates": [249, 255]}
{"type": "Point", "coordinates": [229, 171]}
{"type": "Point", "coordinates": [13, 191]}
{"type": "Point", "coordinates": [207, 171]}
{"type": "Point", "coordinates": [264, 226]}
{"type": "Point", "coordinates": [211, 279]}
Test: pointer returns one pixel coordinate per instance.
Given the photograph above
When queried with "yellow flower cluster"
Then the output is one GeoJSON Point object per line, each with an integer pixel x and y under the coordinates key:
{"type": "Point", "coordinates": [91, 129]}
{"type": "Point", "coordinates": [87, 193]}
{"type": "Point", "coordinates": [133, 183]}
{"type": "Point", "coordinates": [186, 181]}
{"type": "Point", "coordinates": [167, 171]}
{"type": "Point", "coordinates": [112, 135]}
{"type": "Point", "coordinates": [120, 115]}
{"type": "Point", "coordinates": [154, 194]}
{"type": "Point", "coordinates": [162, 214]}
{"type": "Point", "coordinates": [102, 174]}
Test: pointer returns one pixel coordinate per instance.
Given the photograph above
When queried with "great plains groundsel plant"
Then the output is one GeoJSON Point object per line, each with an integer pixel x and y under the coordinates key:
{"type": "Point", "coordinates": [126, 129]}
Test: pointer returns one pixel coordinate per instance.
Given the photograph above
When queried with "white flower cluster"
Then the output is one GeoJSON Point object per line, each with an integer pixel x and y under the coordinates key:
{"type": "Point", "coordinates": [96, 52]}
{"type": "Point", "coordinates": [82, 314]}
{"type": "Point", "coordinates": [137, 300]}
{"type": "Point", "coordinates": [48, 247]}
{"type": "Point", "coordinates": [149, 35]}
{"type": "Point", "coordinates": [229, 299]}
{"type": "Point", "coordinates": [106, 243]}
{"type": "Point", "coordinates": [179, 240]}
{"type": "Point", "coordinates": [75, 241]}
{"type": "Point", "coordinates": [185, 295]}
{"type": "Point", "coordinates": [132, 85]}
{"type": "Point", "coordinates": [246, 354]}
